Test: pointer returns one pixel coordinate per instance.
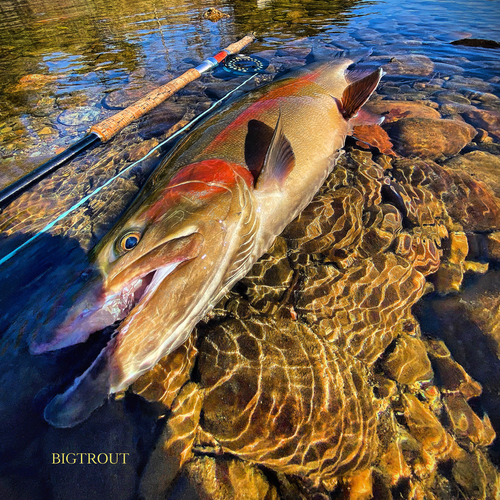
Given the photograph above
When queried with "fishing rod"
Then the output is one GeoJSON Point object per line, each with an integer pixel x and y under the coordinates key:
{"type": "Point", "coordinates": [108, 128]}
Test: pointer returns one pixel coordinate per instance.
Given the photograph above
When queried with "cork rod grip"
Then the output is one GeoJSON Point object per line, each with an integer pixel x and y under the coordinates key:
{"type": "Point", "coordinates": [109, 127]}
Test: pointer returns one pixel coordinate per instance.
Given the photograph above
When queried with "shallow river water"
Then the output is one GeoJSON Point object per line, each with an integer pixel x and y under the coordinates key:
{"type": "Point", "coordinates": [374, 315]}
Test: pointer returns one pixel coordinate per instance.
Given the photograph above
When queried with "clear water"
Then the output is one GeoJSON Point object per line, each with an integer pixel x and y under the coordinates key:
{"type": "Point", "coordinates": [91, 48]}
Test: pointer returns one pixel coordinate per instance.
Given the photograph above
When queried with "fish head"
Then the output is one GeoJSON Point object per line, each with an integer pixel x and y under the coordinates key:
{"type": "Point", "coordinates": [155, 271]}
{"type": "Point", "coordinates": [164, 231]}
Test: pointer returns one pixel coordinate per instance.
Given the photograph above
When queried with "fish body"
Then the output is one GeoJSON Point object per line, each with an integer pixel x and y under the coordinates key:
{"type": "Point", "coordinates": [204, 217]}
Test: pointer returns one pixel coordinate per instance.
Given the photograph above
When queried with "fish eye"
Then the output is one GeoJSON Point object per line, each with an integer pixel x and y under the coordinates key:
{"type": "Point", "coordinates": [129, 241]}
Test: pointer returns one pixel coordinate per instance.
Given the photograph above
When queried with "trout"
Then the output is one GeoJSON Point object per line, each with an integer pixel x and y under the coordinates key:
{"type": "Point", "coordinates": [212, 207]}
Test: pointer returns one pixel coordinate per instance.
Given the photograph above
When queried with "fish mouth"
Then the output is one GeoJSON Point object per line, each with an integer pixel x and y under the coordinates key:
{"type": "Point", "coordinates": [98, 308]}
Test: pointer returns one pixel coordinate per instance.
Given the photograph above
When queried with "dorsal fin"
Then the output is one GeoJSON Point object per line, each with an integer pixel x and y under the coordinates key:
{"type": "Point", "coordinates": [358, 92]}
{"type": "Point", "coordinates": [257, 142]}
{"type": "Point", "coordinates": [279, 160]}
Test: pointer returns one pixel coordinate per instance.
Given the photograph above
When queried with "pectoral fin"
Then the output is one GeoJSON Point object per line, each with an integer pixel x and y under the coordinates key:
{"type": "Point", "coordinates": [279, 160]}
{"type": "Point", "coordinates": [358, 92]}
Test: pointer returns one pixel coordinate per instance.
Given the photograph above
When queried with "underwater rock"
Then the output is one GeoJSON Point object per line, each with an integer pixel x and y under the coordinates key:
{"type": "Point", "coordinates": [373, 136]}
{"type": "Point", "coordinates": [466, 425]}
{"type": "Point", "coordinates": [208, 478]}
{"type": "Point", "coordinates": [294, 403]}
{"type": "Point", "coordinates": [482, 166]}
{"type": "Point", "coordinates": [329, 224]}
{"type": "Point", "coordinates": [477, 42]}
{"type": "Point", "coordinates": [269, 279]}
{"type": "Point", "coordinates": [409, 65]}
{"type": "Point", "coordinates": [494, 246]}
{"type": "Point", "coordinates": [485, 119]}
{"type": "Point", "coordinates": [214, 15]}
{"type": "Point", "coordinates": [175, 444]}
{"type": "Point", "coordinates": [451, 97]}
{"type": "Point", "coordinates": [78, 116]}
{"type": "Point", "coordinates": [476, 476]}
{"type": "Point", "coordinates": [482, 303]}
{"type": "Point", "coordinates": [164, 381]}
{"type": "Point", "coordinates": [33, 82]}
{"type": "Point", "coordinates": [452, 375]}
{"type": "Point", "coordinates": [122, 98]}
{"type": "Point", "coordinates": [408, 363]}
{"type": "Point", "coordinates": [363, 327]}
{"type": "Point", "coordinates": [429, 138]}
{"type": "Point", "coordinates": [138, 152]}
{"type": "Point", "coordinates": [395, 110]}
{"type": "Point", "coordinates": [436, 443]}
{"type": "Point", "coordinates": [449, 276]}
{"type": "Point", "coordinates": [458, 82]}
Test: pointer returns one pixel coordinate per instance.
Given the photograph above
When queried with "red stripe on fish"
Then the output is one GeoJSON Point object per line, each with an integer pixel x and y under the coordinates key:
{"type": "Point", "coordinates": [203, 179]}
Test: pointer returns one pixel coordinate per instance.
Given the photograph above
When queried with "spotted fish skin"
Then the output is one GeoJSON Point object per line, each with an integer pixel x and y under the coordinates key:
{"type": "Point", "coordinates": [210, 210]}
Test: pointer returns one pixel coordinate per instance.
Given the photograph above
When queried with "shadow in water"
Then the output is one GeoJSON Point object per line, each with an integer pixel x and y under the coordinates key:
{"type": "Point", "coordinates": [455, 320]}
{"type": "Point", "coordinates": [30, 284]}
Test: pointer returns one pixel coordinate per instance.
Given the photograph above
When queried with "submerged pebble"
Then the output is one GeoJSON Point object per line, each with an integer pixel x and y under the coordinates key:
{"type": "Point", "coordinates": [430, 138]}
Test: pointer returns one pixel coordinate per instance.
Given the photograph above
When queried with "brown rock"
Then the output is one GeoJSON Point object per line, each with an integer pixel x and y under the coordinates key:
{"type": "Point", "coordinates": [459, 247]}
{"type": "Point", "coordinates": [175, 443]}
{"type": "Point", "coordinates": [436, 443]}
{"type": "Point", "coordinates": [480, 165]}
{"type": "Point", "coordinates": [476, 476]}
{"type": "Point", "coordinates": [269, 279]}
{"type": "Point", "coordinates": [430, 191]}
{"type": "Point", "coordinates": [395, 110]}
{"type": "Point", "coordinates": [289, 401]}
{"type": "Point", "coordinates": [384, 388]}
{"type": "Point", "coordinates": [451, 375]}
{"type": "Point", "coordinates": [449, 278]}
{"type": "Point", "coordinates": [410, 65]}
{"type": "Point", "coordinates": [430, 138]}
{"type": "Point", "coordinates": [209, 478]}
{"type": "Point", "coordinates": [476, 267]}
{"type": "Point", "coordinates": [408, 363]}
{"type": "Point", "coordinates": [141, 150]}
{"type": "Point", "coordinates": [360, 486]}
{"type": "Point", "coordinates": [350, 302]}
{"type": "Point", "coordinates": [46, 131]}
{"type": "Point", "coordinates": [393, 463]}
{"type": "Point", "coordinates": [482, 301]}
{"type": "Point", "coordinates": [214, 15]}
{"type": "Point", "coordinates": [485, 119]}
{"type": "Point", "coordinates": [465, 423]}
{"type": "Point", "coordinates": [482, 136]}
{"type": "Point", "coordinates": [494, 245]}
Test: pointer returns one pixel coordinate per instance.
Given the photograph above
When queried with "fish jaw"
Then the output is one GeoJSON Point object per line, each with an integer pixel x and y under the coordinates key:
{"type": "Point", "coordinates": [154, 327]}
{"type": "Point", "coordinates": [103, 302]}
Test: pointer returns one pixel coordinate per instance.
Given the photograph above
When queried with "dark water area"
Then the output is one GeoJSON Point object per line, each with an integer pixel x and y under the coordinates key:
{"type": "Point", "coordinates": [432, 390]}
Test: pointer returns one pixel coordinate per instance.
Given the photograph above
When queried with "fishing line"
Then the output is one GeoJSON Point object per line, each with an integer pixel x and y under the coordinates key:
{"type": "Point", "coordinates": [92, 193]}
